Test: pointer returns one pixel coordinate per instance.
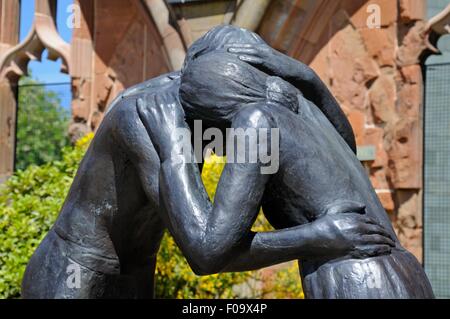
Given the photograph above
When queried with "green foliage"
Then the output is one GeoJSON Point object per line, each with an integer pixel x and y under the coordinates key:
{"type": "Point", "coordinates": [30, 202]}
{"type": "Point", "coordinates": [42, 125]}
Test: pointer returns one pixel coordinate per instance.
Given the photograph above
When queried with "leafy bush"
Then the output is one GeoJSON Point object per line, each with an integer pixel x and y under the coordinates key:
{"type": "Point", "coordinates": [30, 202]}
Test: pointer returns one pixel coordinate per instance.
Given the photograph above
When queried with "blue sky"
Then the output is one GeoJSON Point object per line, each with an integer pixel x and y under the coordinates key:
{"type": "Point", "coordinates": [436, 6]}
{"type": "Point", "coordinates": [47, 71]}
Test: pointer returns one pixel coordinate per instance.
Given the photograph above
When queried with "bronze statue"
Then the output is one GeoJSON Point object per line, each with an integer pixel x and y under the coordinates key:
{"type": "Point", "coordinates": [134, 181]}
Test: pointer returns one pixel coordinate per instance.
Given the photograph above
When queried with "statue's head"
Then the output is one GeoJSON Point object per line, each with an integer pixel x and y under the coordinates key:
{"type": "Point", "coordinates": [215, 86]}
{"type": "Point", "coordinates": [217, 38]}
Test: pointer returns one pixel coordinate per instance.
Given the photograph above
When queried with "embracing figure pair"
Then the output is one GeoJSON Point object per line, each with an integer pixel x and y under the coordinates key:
{"type": "Point", "coordinates": [135, 181]}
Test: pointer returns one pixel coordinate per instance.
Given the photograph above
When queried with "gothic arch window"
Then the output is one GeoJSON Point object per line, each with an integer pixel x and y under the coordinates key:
{"type": "Point", "coordinates": [14, 59]}
{"type": "Point", "coordinates": [43, 35]}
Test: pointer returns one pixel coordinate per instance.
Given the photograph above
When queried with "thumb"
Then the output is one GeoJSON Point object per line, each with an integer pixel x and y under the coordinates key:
{"type": "Point", "coordinates": [346, 206]}
{"type": "Point", "coordinates": [143, 113]}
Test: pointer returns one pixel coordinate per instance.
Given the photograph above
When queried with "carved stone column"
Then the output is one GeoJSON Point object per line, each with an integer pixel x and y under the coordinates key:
{"type": "Point", "coordinates": [9, 36]}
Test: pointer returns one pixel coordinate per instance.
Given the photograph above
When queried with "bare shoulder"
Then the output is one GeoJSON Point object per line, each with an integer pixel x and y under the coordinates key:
{"type": "Point", "coordinates": [124, 112]}
{"type": "Point", "coordinates": [122, 125]}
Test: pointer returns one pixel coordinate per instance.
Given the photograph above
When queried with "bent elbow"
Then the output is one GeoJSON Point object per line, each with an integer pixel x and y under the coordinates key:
{"type": "Point", "coordinates": [208, 262]}
{"type": "Point", "coordinates": [207, 265]}
{"type": "Point", "coordinates": [204, 271]}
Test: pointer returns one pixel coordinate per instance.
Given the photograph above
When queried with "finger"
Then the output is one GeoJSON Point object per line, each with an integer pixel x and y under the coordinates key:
{"type": "Point", "coordinates": [142, 106]}
{"type": "Point", "coordinates": [370, 251]}
{"type": "Point", "coordinates": [143, 112]}
{"type": "Point", "coordinates": [376, 229]}
{"type": "Point", "coordinates": [249, 51]}
{"type": "Point", "coordinates": [159, 100]}
{"type": "Point", "coordinates": [250, 59]}
{"type": "Point", "coordinates": [238, 45]}
{"type": "Point", "coordinates": [363, 219]}
{"type": "Point", "coordinates": [346, 206]}
{"type": "Point", "coordinates": [165, 100]}
{"type": "Point", "coordinates": [172, 100]}
{"type": "Point", "coordinates": [376, 239]}
{"type": "Point", "coordinates": [168, 99]}
{"type": "Point", "coordinates": [175, 97]}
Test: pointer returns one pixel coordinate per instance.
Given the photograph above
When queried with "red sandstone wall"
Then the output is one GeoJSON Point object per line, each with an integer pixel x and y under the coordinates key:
{"type": "Point", "coordinates": [117, 46]}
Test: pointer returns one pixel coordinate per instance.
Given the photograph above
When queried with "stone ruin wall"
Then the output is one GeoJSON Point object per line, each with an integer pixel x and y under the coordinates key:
{"type": "Point", "coordinates": [116, 47]}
